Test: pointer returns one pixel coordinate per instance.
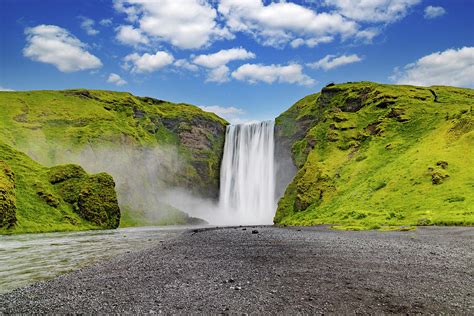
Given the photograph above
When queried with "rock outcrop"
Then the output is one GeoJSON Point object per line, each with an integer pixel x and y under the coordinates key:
{"type": "Point", "coordinates": [43, 199]}
{"type": "Point", "coordinates": [92, 197]}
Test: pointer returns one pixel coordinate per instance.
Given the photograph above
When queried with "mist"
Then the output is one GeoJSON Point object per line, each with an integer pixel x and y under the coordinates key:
{"type": "Point", "coordinates": [146, 178]}
{"type": "Point", "coordinates": [149, 180]}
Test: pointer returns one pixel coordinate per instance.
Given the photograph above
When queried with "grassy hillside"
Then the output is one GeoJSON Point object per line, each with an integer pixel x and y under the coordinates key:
{"type": "Point", "coordinates": [34, 198]}
{"type": "Point", "coordinates": [141, 141]}
{"type": "Point", "coordinates": [40, 121]}
{"type": "Point", "coordinates": [380, 156]}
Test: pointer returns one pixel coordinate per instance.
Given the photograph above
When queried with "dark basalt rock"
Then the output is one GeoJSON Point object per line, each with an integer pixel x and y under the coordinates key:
{"type": "Point", "coordinates": [81, 93]}
{"type": "Point", "coordinates": [438, 177]}
{"type": "Point", "coordinates": [434, 95]}
{"type": "Point", "coordinates": [204, 139]}
{"type": "Point", "coordinates": [385, 103]}
{"type": "Point", "coordinates": [137, 113]}
{"type": "Point", "coordinates": [398, 114]}
{"type": "Point", "coordinates": [327, 93]}
{"type": "Point", "coordinates": [442, 164]}
{"type": "Point", "coordinates": [152, 101]}
{"type": "Point", "coordinates": [353, 104]}
{"type": "Point", "coordinates": [374, 128]}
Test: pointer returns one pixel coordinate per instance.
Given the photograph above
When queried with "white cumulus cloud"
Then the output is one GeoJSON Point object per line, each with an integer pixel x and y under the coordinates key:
{"type": "Point", "coordinates": [385, 11]}
{"type": "Point", "coordinates": [56, 46]}
{"type": "Point", "coordinates": [147, 62]}
{"type": "Point", "coordinates": [311, 42]}
{"type": "Point", "coordinates": [219, 74]}
{"type": "Point", "coordinates": [279, 23]}
{"type": "Point", "coordinates": [87, 25]}
{"type": "Point", "coordinates": [223, 57]}
{"type": "Point", "coordinates": [292, 73]}
{"type": "Point", "coordinates": [185, 24]}
{"type": "Point", "coordinates": [453, 67]}
{"type": "Point", "coordinates": [217, 62]}
{"type": "Point", "coordinates": [368, 34]}
{"type": "Point", "coordinates": [5, 89]}
{"type": "Point", "coordinates": [332, 61]}
{"type": "Point", "coordinates": [432, 12]}
{"type": "Point", "coordinates": [116, 79]}
{"type": "Point", "coordinates": [128, 35]}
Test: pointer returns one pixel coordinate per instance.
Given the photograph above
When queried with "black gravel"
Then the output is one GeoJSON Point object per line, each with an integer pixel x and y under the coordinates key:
{"type": "Point", "coordinates": [277, 270]}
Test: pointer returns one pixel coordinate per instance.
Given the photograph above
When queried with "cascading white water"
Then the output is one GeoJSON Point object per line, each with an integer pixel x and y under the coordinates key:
{"type": "Point", "coordinates": [247, 194]}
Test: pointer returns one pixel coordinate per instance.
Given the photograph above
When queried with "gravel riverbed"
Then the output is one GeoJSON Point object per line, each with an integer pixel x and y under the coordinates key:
{"type": "Point", "coordinates": [271, 270]}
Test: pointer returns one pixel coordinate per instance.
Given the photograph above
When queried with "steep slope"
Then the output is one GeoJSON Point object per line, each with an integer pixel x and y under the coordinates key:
{"type": "Point", "coordinates": [146, 144]}
{"type": "Point", "coordinates": [75, 119]}
{"type": "Point", "coordinates": [34, 198]}
{"type": "Point", "coordinates": [371, 155]}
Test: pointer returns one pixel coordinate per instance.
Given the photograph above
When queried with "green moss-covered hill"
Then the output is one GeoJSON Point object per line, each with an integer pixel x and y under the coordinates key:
{"type": "Point", "coordinates": [379, 156]}
{"type": "Point", "coordinates": [54, 127]}
{"type": "Point", "coordinates": [75, 119]}
{"type": "Point", "coordinates": [34, 198]}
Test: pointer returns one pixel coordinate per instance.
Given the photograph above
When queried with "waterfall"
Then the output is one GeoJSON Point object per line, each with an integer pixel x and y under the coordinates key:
{"type": "Point", "coordinates": [247, 194]}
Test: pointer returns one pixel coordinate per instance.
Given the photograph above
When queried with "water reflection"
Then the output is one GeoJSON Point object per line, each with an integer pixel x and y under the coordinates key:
{"type": "Point", "coordinates": [28, 258]}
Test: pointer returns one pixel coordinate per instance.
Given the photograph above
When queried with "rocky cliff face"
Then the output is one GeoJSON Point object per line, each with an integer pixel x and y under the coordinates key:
{"type": "Point", "coordinates": [204, 138]}
{"type": "Point", "coordinates": [371, 156]}
{"type": "Point", "coordinates": [290, 127]}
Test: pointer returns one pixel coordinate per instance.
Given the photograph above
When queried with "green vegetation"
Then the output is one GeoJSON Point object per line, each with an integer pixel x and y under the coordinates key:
{"type": "Point", "coordinates": [369, 156]}
{"type": "Point", "coordinates": [7, 196]}
{"type": "Point", "coordinates": [372, 156]}
{"type": "Point", "coordinates": [53, 126]}
{"type": "Point", "coordinates": [40, 122]}
{"type": "Point", "coordinates": [93, 197]}
{"type": "Point", "coordinates": [34, 198]}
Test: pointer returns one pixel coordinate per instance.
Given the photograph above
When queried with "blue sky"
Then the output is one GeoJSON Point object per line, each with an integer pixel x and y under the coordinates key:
{"type": "Point", "coordinates": [243, 59]}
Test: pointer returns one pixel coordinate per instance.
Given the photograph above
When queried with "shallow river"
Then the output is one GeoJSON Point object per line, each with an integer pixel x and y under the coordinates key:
{"type": "Point", "coordinates": [28, 258]}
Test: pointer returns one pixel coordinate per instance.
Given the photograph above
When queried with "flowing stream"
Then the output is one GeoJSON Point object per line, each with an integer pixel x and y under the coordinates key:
{"type": "Point", "coordinates": [247, 193]}
{"type": "Point", "coordinates": [28, 258]}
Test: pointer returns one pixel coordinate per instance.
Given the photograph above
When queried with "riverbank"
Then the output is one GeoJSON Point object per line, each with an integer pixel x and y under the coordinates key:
{"type": "Point", "coordinates": [29, 258]}
{"type": "Point", "coordinates": [272, 270]}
